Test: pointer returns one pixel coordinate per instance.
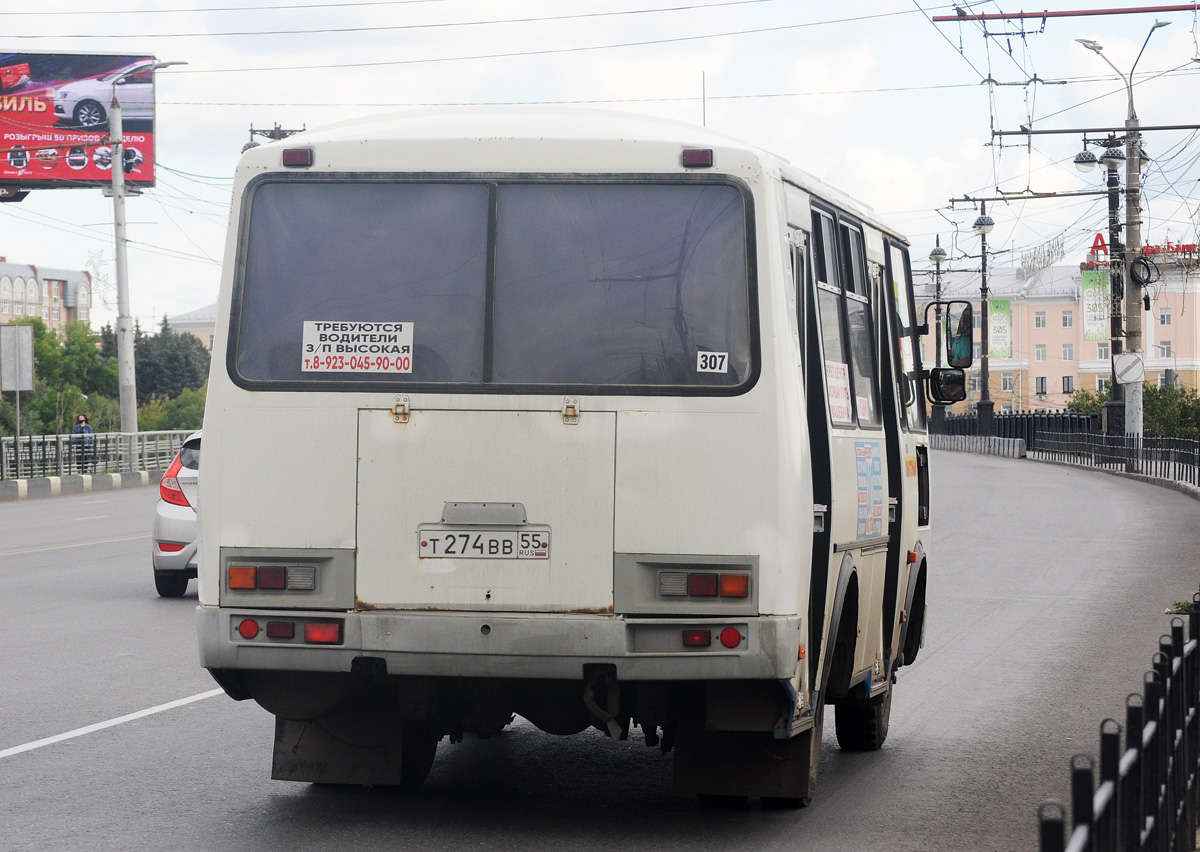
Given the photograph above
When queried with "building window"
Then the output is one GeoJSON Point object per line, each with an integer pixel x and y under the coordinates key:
{"type": "Point", "coordinates": [1164, 349]}
{"type": "Point", "coordinates": [975, 384]}
{"type": "Point", "coordinates": [210, 341]}
{"type": "Point", "coordinates": [19, 297]}
{"type": "Point", "coordinates": [1006, 382]}
{"type": "Point", "coordinates": [977, 350]}
{"type": "Point", "coordinates": [1039, 319]}
{"type": "Point", "coordinates": [1068, 319]}
{"type": "Point", "coordinates": [1039, 385]}
{"type": "Point", "coordinates": [1068, 351]}
{"type": "Point", "coordinates": [1163, 380]}
{"type": "Point", "coordinates": [1164, 316]}
{"type": "Point", "coordinates": [1039, 352]}
{"type": "Point", "coordinates": [5, 295]}
{"type": "Point", "coordinates": [1102, 383]}
{"type": "Point", "coordinates": [1068, 384]}
{"type": "Point", "coordinates": [83, 303]}
{"type": "Point", "coordinates": [1006, 408]}
{"type": "Point", "coordinates": [1102, 350]}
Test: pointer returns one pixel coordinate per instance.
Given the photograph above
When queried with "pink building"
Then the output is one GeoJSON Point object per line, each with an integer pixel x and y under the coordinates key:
{"type": "Point", "coordinates": [1045, 344]}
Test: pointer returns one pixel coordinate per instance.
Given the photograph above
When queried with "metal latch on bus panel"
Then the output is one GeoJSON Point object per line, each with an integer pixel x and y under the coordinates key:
{"type": "Point", "coordinates": [400, 412]}
{"type": "Point", "coordinates": [570, 411]}
{"type": "Point", "coordinates": [819, 511]}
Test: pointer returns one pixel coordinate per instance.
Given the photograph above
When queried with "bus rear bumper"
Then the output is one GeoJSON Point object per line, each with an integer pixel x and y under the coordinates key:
{"type": "Point", "coordinates": [506, 645]}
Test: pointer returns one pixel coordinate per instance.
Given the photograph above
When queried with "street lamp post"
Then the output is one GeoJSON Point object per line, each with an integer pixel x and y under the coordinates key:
{"type": "Point", "coordinates": [984, 408]}
{"type": "Point", "coordinates": [126, 378]}
{"type": "Point", "coordinates": [1133, 228]}
{"type": "Point", "coordinates": [937, 256]}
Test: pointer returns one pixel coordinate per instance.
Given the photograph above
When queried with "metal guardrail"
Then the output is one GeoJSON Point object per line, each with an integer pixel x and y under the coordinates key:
{"type": "Point", "coordinates": [1029, 426]}
{"type": "Point", "coordinates": [1148, 797]}
{"type": "Point", "coordinates": [1177, 459]}
{"type": "Point", "coordinates": [108, 452]}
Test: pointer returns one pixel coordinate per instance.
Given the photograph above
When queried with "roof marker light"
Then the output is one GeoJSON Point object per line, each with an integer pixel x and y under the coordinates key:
{"type": "Point", "coordinates": [298, 157]}
{"type": "Point", "coordinates": [697, 158]}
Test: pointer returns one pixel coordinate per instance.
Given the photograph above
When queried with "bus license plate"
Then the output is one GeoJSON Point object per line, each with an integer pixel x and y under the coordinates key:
{"type": "Point", "coordinates": [484, 544]}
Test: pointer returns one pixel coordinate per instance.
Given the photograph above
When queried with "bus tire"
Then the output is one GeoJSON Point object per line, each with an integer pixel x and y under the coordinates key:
{"type": "Point", "coordinates": [863, 725]}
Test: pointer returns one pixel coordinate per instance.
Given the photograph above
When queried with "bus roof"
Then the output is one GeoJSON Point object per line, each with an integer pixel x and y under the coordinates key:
{"type": "Point", "coordinates": [575, 124]}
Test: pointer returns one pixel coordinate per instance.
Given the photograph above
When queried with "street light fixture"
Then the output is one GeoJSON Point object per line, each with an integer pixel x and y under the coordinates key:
{"type": "Point", "coordinates": [126, 380]}
{"type": "Point", "coordinates": [937, 256]}
{"type": "Point", "coordinates": [984, 408]}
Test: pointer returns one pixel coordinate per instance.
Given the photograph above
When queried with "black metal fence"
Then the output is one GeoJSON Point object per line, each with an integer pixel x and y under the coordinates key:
{"type": "Point", "coordinates": [1029, 425]}
{"type": "Point", "coordinates": [1148, 795]}
{"type": "Point", "coordinates": [1168, 458]}
{"type": "Point", "coordinates": [106, 452]}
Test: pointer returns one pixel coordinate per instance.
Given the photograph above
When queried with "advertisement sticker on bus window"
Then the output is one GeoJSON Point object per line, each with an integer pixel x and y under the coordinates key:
{"type": "Point", "coordinates": [837, 379]}
{"type": "Point", "coordinates": [712, 362]}
{"type": "Point", "coordinates": [357, 347]}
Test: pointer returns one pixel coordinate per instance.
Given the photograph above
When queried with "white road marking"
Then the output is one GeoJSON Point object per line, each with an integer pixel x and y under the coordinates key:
{"type": "Point", "coordinates": [92, 517]}
{"type": "Point", "coordinates": [100, 726]}
{"type": "Point", "coordinates": [94, 541]}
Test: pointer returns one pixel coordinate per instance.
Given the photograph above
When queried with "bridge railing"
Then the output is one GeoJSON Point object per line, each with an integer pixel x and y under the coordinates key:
{"type": "Point", "coordinates": [106, 452]}
{"type": "Point", "coordinates": [1177, 459]}
{"type": "Point", "coordinates": [1148, 796]}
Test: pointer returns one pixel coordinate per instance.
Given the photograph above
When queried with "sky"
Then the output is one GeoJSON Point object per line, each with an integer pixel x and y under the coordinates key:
{"type": "Point", "coordinates": [871, 96]}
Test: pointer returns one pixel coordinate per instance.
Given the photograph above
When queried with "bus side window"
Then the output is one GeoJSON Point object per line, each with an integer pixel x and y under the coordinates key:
{"type": "Point", "coordinates": [831, 307]}
{"type": "Point", "coordinates": [858, 315]}
{"type": "Point", "coordinates": [905, 348]}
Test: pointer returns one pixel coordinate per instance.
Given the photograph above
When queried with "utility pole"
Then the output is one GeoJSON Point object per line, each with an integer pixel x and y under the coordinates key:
{"type": "Point", "coordinates": [984, 408]}
{"type": "Point", "coordinates": [127, 383]}
{"type": "Point", "coordinates": [126, 380]}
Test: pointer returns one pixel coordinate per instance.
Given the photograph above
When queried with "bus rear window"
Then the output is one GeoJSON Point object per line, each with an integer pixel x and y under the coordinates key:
{"type": "Point", "coordinates": [393, 284]}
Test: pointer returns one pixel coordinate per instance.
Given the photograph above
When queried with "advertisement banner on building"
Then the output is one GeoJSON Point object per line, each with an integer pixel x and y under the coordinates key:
{"type": "Point", "coordinates": [1000, 331]}
{"type": "Point", "coordinates": [54, 110]}
{"type": "Point", "coordinates": [1095, 304]}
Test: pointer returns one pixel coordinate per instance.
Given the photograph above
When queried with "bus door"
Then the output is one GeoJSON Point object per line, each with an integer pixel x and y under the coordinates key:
{"type": "Point", "coordinates": [858, 484]}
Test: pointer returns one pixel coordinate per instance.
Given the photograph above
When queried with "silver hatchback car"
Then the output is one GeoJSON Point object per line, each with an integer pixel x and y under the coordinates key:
{"type": "Point", "coordinates": [175, 535]}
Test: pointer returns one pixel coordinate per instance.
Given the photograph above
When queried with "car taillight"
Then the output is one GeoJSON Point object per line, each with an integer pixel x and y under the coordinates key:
{"type": "Point", "coordinates": [168, 487]}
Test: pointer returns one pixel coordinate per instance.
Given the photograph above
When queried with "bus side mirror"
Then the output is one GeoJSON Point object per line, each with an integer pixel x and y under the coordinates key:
{"type": "Point", "coordinates": [960, 333]}
{"type": "Point", "coordinates": [947, 385]}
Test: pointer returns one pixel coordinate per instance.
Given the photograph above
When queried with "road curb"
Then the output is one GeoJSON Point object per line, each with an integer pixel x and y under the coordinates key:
{"type": "Point", "coordinates": [79, 483]}
{"type": "Point", "coordinates": [1175, 485]}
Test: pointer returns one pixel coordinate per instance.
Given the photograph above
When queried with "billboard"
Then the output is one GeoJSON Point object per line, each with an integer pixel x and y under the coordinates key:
{"type": "Point", "coordinates": [54, 118]}
{"type": "Point", "coordinates": [1095, 304]}
{"type": "Point", "coordinates": [1000, 317]}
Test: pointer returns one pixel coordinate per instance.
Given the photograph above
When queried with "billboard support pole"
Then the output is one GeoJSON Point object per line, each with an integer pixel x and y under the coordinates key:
{"type": "Point", "coordinates": [125, 355]}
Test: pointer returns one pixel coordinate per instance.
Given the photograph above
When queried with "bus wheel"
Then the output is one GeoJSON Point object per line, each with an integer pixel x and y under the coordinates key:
{"type": "Point", "coordinates": [863, 725]}
{"type": "Point", "coordinates": [419, 746]}
{"type": "Point", "coordinates": [812, 746]}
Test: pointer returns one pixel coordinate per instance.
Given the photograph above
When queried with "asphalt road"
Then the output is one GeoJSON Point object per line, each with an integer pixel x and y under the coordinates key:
{"type": "Point", "coordinates": [1047, 600]}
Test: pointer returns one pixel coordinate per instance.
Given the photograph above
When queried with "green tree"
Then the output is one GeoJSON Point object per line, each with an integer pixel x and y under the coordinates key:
{"type": "Point", "coordinates": [185, 411]}
{"type": "Point", "coordinates": [68, 370]}
{"type": "Point", "coordinates": [1087, 402]}
{"type": "Point", "coordinates": [168, 363]}
{"type": "Point", "coordinates": [1172, 412]}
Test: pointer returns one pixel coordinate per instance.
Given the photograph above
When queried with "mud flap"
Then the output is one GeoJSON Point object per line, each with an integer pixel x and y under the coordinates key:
{"type": "Point", "coordinates": [744, 763]}
{"type": "Point", "coordinates": [362, 744]}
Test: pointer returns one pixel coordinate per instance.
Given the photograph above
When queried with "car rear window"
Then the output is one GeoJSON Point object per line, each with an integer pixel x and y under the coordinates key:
{"type": "Point", "coordinates": [469, 285]}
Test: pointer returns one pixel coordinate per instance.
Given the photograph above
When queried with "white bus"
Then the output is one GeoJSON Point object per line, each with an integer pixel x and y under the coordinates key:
{"type": "Point", "coordinates": [596, 419]}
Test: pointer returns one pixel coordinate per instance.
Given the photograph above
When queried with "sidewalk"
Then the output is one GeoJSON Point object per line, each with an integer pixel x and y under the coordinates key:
{"type": "Point", "coordinates": [80, 483]}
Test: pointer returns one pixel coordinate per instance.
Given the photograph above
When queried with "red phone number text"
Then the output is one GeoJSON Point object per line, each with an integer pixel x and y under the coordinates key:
{"type": "Point", "coordinates": [359, 363]}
